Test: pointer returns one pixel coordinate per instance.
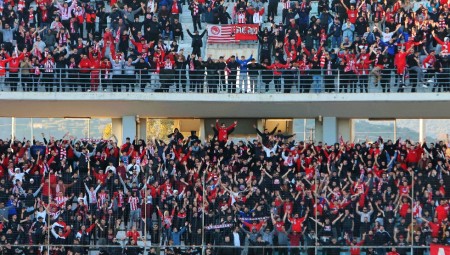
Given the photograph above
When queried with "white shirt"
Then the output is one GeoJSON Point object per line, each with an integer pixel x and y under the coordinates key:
{"type": "Point", "coordinates": [387, 36]}
{"type": "Point", "coordinates": [42, 214]}
{"type": "Point", "coordinates": [112, 168]}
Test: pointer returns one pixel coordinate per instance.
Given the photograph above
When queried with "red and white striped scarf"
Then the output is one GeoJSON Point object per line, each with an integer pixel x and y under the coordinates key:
{"type": "Point", "coordinates": [102, 198]}
{"type": "Point", "coordinates": [63, 38]}
{"type": "Point", "coordinates": [195, 9]}
{"type": "Point", "coordinates": [322, 61]}
{"type": "Point", "coordinates": [120, 200]}
{"type": "Point", "coordinates": [49, 65]}
{"type": "Point", "coordinates": [241, 18]}
{"type": "Point", "coordinates": [168, 65]}
{"type": "Point", "coordinates": [62, 153]}
{"type": "Point", "coordinates": [60, 201]}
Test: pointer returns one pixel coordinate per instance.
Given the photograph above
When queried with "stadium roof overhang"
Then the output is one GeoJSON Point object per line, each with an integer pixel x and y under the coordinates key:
{"type": "Point", "coordinates": [191, 105]}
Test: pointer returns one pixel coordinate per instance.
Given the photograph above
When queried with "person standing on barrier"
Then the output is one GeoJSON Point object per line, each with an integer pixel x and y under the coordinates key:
{"type": "Point", "coordinates": [212, 78]}
{"type": "Point", "coordinates": [129, 75]}
{"type": "Point", "coordinates": [117, 67]}
{"type": "Point", "coordinates": [385, 72]}
{"type": "Point", "coordinates": [48, 75]}
{"type": "Point", "coordinates": [277, 72]}
{"type": "Point", "coordinates": [363, 65]}
{"type": "Point", "coordinates": [85, 69]}
{"type": "Point", "coordinates": [180, 69]}
{"type": "Point", "coordinates": [95, 73]}
{"type": "Point", "coordinates": [105, 73]}
{"type": "Point", "coordinates": [400, 64]}
{"type": "Point", "coordinates": [350, 72]}
{"type": "Point", "coordinates": [243, 77]}
{"type": "Point", "coordinates": [142, 69]}
{"type": "Point", "coordinates": [289, 77]}
{"type": "Point", "coordinates": [221, 67]}
{"type": "Point", "coordinates": [315, 70]}
{"type": "Point", "coordinates": [253, 72]}
{"type": "Point", "coordinates": [232, 66]}
{"type": "Point", "coordinates": [377, 58]}
{"type": "Point", "coordinates": [266, 76]}
{"type": "Point", "coordinates": [439, 75]}
{"type": "Point", "coordinates": [327, 66]}
{"type": "Point", "coordinates": [14, 69]}
{"type": "Point", "coordinates": [415, 72]}
{"type": "Point", "coordinates": [25, 71]}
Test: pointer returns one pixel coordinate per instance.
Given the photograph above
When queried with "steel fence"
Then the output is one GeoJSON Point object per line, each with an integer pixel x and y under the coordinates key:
{"type": "Point", "coordinates": [148, 247]}
{"type": "Point", "coordinates": [215, 81]}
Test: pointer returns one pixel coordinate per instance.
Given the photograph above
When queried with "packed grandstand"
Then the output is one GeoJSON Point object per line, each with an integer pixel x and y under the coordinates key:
{"type": "Point", "coordinates": [89, 46]}
{"type": "Point", "coordinates": [182, 195]}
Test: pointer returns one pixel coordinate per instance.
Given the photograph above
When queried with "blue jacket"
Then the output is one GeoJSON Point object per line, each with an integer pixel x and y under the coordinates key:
{"type": "Point", "coordinates": [176, 236]}
{"type": "Point", "coordinates": [243, 63]}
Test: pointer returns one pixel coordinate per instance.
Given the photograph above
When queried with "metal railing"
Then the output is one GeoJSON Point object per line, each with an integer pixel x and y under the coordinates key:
{"type": "Point", "coordinates": [219, 81]}
{"type": "Point", "coordinates": [217, 249]}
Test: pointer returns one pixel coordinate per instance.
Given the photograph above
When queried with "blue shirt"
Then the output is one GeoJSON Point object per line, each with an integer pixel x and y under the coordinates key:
{"type": "Point", "coordinates": [243, 63]}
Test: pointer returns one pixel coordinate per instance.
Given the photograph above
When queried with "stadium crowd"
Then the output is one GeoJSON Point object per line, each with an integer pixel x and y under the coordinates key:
{"type": "Point", "coordinates": [117, 43]}
{"type": "Point", "coordinates": [261, 196]}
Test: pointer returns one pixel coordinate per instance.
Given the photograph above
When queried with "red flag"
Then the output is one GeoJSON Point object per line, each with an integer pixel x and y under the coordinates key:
{"type": "Point", "coordinates": [246, 32]}
{"type": "Point", "coordinates": [437, 249]}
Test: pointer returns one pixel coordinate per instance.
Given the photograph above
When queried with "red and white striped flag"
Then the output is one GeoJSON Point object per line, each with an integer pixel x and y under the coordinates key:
{"type": "Point", "coordinates": [221, 34]}
{"type": "Point", "coordinates": [437, 249]}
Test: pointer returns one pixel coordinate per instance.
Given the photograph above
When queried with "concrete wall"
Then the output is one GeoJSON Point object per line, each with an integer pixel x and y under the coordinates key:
{"type": "Point", "coordinates": [192, 105]}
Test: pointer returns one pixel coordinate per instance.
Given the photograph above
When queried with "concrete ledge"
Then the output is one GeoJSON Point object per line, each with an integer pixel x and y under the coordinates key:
{"type": "Point", "coordinates": [194, 105]}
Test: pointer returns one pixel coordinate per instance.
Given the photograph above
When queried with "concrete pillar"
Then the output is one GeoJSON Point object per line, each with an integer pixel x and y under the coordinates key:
{"type": "Point", "coordinates": [260, 124]}
{"type": "Point", "coordinates": [331, 129]}
{"type": "Point", "coordinates": [117, 129]}
{"type": "Point", "coordinates": [422, 130]}
{"type": "Point", "coordinates": [143, 129]}
{"type": "Point", "coordinates": [318, 130]}
{"type": "Point", "coordinates": [128, 127]}
{"type": "Point", "coordinates": [202, 130]}
{"type": "Point", "coordinates": [345, 129]}
{"type": "Point", "coordinates": [330, 132]}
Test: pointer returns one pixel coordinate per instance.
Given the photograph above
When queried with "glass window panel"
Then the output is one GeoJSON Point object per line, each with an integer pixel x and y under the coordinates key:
{"type": "Point", "coordinates": [22, 128]}
{"type": "Point", "coordinates": [159, 128]}
{"type": "Point", "coordinates": [57, 127]}
{"type": "Point", "coordinates": [304, 129]}
{"type": "Point", "coordinates": [408, 129]}
{"type": "Point", "coordinates": [100, 128]}
{"type": "Point", "coordinates": [371, 130]}
{"type": "Point", "coordinates": [437, 129]}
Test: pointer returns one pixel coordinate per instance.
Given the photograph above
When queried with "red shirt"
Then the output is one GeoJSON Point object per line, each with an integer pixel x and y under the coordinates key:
{"type": "Point", "coordinates": [441, 213]}
{"type": "Point", "coordinates": [434, 229]}
{"type": "Point", "coordinates": [134, 235]}
{"type": "Point", "coordinates": [85, 65]}
{"type": "Point", "coordinates": [352, 15]}
{"type": "Point", "coordinates": [223, 132]}
{"type": "Point", "coordinates": [297, 224]}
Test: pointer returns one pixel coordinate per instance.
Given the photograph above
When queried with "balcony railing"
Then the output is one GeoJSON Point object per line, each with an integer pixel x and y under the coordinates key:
{"type": "Point", "coordinates": [207, 81]}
